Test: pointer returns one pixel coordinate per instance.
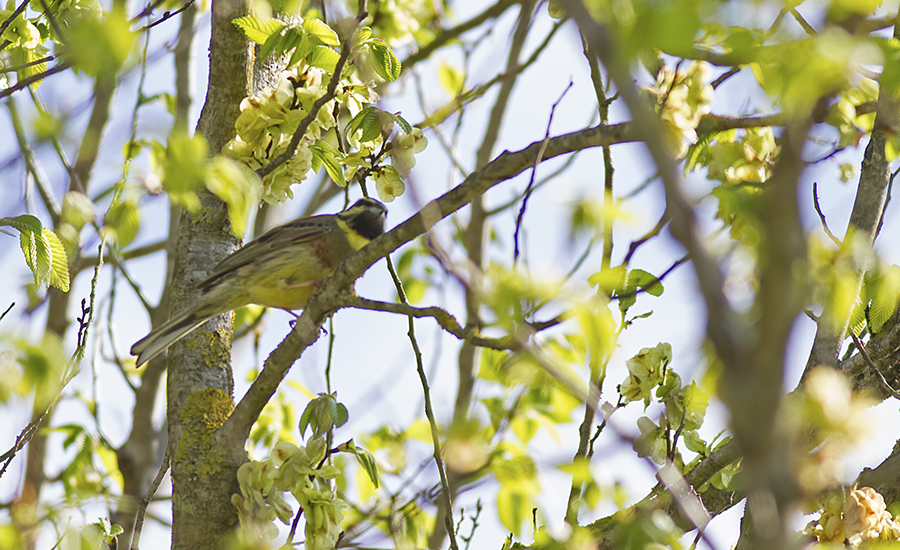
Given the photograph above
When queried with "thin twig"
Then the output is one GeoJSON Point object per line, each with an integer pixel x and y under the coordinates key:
{"type": "Point", "coordinates": [26, 65]}
{"type": "Point", "coordinates": [142, 507]}
{"type": "Point", "coordinates": [451, 34]}
{"type": "Point", "coordinates": [25, 82]}
{"type": "Point", "coordinates": [537, 161]}
{"type": "Point", "coordinates": [32, 165]}
{"type": "Point", "coordinates": [429, 411]}
{"type": "Point", "coordinates": [872, 366]}
{"type": "Point", "coordinates": [803, 23]}
{"type": "Point", "coordinates": [294, 524]}
{"type": "Point", "coordinates": [725, 76]}
{"type": "Point", "coordinates": [53, 22]}
{"type": "Point", "coordinates": [815, 190]}
{"type": "Point", "coordinates": [148, 10]}
{"type": "Point", "coordinates": [166, 16]}
{"type": "Point", "coordinates": [447, 322]}
{"type": "Point", "coordinates": [632, 248]}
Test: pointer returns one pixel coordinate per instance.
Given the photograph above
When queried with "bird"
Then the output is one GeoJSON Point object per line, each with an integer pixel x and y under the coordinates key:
{"type": "Point", "coordinates": [280, 269]}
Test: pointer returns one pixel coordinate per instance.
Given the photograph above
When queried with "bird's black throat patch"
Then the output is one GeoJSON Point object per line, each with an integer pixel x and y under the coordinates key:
{"type": "Point", "coordinates": [366, 217]}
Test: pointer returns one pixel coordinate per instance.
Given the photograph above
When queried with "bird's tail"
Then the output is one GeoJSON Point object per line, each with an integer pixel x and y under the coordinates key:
{"type": "Point", "coordinates": [164, 336]}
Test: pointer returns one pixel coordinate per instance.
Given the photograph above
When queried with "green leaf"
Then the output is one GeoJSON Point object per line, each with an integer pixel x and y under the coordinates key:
{"type": "Point", "coordinates": [323, 414]}
{"type": "Point", "coordinates": [323, 57]}
{"type": "Point", "coordinates": [296, 39]}
{"type": "Point", "coordinates": [362, 34]}
{"type": "Point", "coordinates": [25, 222]}
{"type": "Point", "coordinates": [38, 255]}
{"type": "Point", "coordinates": [885, 297]}
{"type": "Point", "coordinates": [514, 508]}
{"type": "Point", "coordinates": [402, 122]}
{"type": "Point", "coordinates": [121, 223]}
{"type": "Point", "coordinates": [369, 121]}
{"type": "Point", "coordinates": [239, 188]}
{"type": "Point", "coordinates": [275, 43]}
{"type": "Point", "coordinates": [316, 28]}
{"type": "Point", "coordinates": [20, 57]}
{"type": "Point", "coordinates": [285, 40]}
{"type": "Point", "coordinates": [258, 29]}
{"type": "Point", "coordinates": [99, 47]}
{"type": "Point", "coordinates": [364, 458]}
{"type": "Point", "coordinates": [385, 62]}
{"type": "Point", "coordinates": [59, 265]}
{"type": "Point", "coordinates": [524, 428]}
{"type": "Point", "coordinates": [184, 168]}
{"type": "Point", "coordinates": [341, 416]}
{"type": "Point", "coordinates": [638, 278]}
{"type": "Point", "coordinates": [306, 419]}
{"type": "Point", "coordinates": [329, 157]}
{"type": "Point", "coordinates": [694, 442]}
{"type": "Point", "coordinates": [609, 280]}
{"type": "Point", "coordinates": [451, 79]}
{"type": "Point", "coordinates": [77, 209]}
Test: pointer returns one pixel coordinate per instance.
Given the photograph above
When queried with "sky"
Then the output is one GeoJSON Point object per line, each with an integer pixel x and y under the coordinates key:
{"type": "Point", "coordinates": [375, 374]}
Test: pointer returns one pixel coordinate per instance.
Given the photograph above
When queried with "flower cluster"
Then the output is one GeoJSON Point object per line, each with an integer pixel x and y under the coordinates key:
{"type": "Point", "coordinates": [685, 405]}
{"type": "Point", "coordinates": [267, 124]}
{"type": "Point", "coordinates": [854, 519]}
{"type": "Point", "coordinates": [646, 371]}
{"type": "Point", "coordinates": [749, 160]}
{"type": "Point", "coordinates": [302, 472]}
{"type": "Point", "coordinates": [682, 98]}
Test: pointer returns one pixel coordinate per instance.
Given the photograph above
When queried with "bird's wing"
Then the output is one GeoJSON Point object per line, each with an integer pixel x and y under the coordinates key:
{"type": "Point", "coordinates": [280, 240]}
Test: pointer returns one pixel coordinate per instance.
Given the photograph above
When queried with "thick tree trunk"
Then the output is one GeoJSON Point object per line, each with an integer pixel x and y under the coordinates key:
{"type": "Point", "coordinates": [200, 382]}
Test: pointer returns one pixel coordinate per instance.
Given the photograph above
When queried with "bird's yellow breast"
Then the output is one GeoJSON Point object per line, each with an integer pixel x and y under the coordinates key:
{"type": "Point", "coordinates": [288, 281]}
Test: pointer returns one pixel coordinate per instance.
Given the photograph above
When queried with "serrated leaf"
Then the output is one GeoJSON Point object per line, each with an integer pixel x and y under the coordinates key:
{"type": "Point", "coordinates": [257, 29]}
{"type": "Point", "coordinates": [324, 58]}
{"type": "Point", "coordinates": [321, 31]}
{"type": "Point", "coordinates": [328, 157]}
{"type": "Point", "coordinates": [273, 44]}
{"type": "Point", "coordinates": [74, 431]}
{"type": "Point", "coordinates": [25, 222]}
{"type": "Point", "coordinates": [885, 298]}
{"type": "Point", "coordinates": [21, 57]}
{"type": "Point", "coordinates": [368, 122]}
{"type": "Point", "coordinates": [404, 125]}
{"type": "Point", "coordinates": [362, 34]}
{"type": "Point", "coordinates": [857, 317]}
{"type": "Point", "coordinates": [305, 419]}
{"type": "Point", "coordinates": [385, 62]}
{"type": "Point", "coordinates": [365, 460]}
{"type": "Point", "coordinates": [296, 39]}
{"type": "Point", "coordinates": [59, 262]}
{"type": "Point", "coordinates": [38, 256]}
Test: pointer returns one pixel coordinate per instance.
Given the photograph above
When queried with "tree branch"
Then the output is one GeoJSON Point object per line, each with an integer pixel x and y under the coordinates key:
{"type": "Point", "coordinates": [507, 165]}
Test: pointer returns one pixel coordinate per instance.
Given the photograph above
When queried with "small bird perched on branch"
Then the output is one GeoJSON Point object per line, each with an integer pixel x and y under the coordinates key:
{"type": "Point", "coordinates": [280, 269]}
